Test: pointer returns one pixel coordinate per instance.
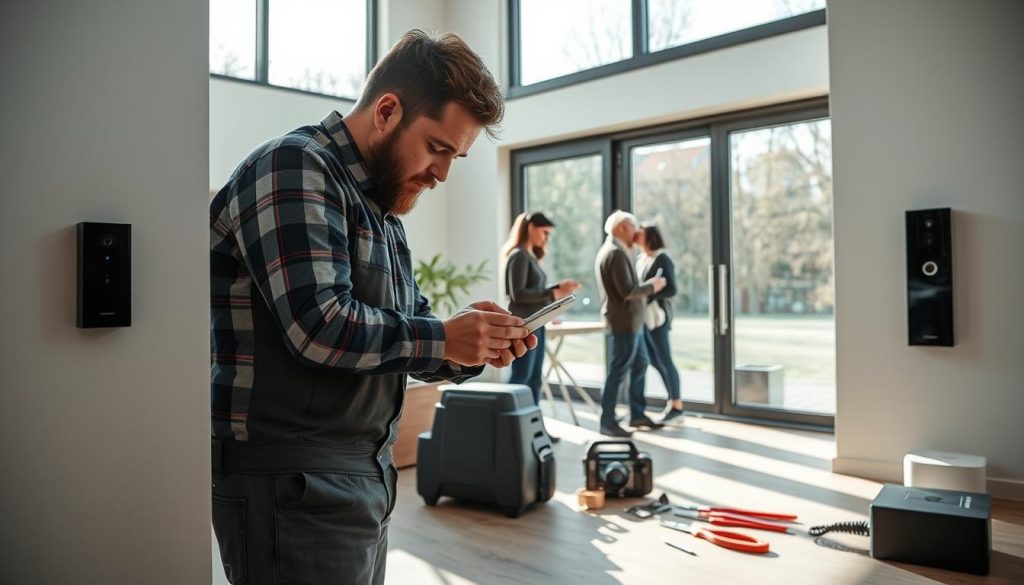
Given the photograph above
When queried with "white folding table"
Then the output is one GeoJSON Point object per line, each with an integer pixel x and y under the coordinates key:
{"type": "Point", "coordinates": [555, 335]}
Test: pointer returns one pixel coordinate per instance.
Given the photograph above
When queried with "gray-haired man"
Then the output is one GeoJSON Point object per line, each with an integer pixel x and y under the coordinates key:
{"type": "Point", "coordinates": [622, 304]}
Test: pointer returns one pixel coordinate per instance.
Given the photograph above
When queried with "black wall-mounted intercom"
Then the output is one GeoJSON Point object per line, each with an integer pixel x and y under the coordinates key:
{"type": "Point", "coordinates": [930, 277]}
{"type": "Point", "coordinates": [104, 275]}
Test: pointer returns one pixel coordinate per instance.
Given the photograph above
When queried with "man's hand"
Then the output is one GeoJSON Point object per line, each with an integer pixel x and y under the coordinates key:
{"type": "Point", "coordinates": [486, 333]}
{"type": "Point", "coordinates": [658, 282]}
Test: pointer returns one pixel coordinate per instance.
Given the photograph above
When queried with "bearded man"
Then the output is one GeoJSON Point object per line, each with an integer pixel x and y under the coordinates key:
{"type": "Point", "coordinates": [316, 318]}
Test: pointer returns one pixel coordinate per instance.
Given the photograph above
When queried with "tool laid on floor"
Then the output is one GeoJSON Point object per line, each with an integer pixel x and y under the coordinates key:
{"type": "Point", "coordinates": [733, 520]}
{"type": "Point", "coordinates": [738, 511]}
{"type": "Point", "coordinates": [658, 506]}
{"type": "Point", "coordinates": [723, 538]}
{"type": "Point", "coordinates": [678, 547]}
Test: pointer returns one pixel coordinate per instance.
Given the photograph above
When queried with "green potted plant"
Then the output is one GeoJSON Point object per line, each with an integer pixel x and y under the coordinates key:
{"type": "Point", "coordinates": [444, 284]}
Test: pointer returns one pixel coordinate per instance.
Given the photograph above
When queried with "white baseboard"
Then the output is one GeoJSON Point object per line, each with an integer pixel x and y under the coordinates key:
{"type": "Point", "coordinates": [1007, 489]}
{"type": "Point", "coordinates": [884, 471]}
{"type": "Point", "coordinates": [887, 471]}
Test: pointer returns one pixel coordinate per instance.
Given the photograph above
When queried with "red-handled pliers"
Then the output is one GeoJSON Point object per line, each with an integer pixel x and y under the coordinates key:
{"type": "Point", "coordinates": [724, 538]}
{"type": "Point", "coordinates": [737, 511]}
{"type": "Point", "coordinates": [725, 519]}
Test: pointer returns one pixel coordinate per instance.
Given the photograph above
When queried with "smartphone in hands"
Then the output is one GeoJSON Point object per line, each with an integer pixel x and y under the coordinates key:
{"type": "Point", "coordinates": [545, 315]}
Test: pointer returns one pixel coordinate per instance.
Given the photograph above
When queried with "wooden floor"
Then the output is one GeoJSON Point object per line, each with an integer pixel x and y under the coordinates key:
{"type": "Point", "coordinates": [706, 461]}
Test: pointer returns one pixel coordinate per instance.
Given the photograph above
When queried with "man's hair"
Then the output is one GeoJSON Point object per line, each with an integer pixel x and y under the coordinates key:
{"type": "Point", "coordinates": [426, 72]}
{"type": "Point", "coordinates": [618, 216]}
{"type": "Point", "coordinates": [653, 235]}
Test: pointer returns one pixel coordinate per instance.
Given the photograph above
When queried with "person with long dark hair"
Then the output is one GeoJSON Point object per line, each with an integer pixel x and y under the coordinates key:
{"type": "Point", "coordinates": [658, 315]}
{"type": "Point", "coordinates": [528, 290]}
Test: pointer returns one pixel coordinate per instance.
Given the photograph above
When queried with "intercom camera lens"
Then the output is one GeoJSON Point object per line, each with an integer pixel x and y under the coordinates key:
{"type": "Point", "coordinates": [107, 241]}
{"type": "Point", "coordinates": [928, 223]}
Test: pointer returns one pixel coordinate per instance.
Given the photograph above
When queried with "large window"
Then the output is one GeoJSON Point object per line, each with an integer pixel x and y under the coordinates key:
{"type": "Point", "coordinates": [744, 205]}
{"type": "Point", "coordinates": [316, 46]}
{"type": "Point", "coordinates": [554, 43]}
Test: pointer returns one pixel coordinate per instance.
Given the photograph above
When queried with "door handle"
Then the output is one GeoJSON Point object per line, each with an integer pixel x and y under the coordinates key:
{"type": "Point", "coordinates": [711, 299]}
{"type": "Point", "coordinates": [723, 299]}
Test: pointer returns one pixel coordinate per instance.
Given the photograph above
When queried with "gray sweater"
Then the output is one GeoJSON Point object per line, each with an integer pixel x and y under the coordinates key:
{"type": "Point", "coordinates": [622, 295]}
{"type": "Point", "coordinates": [526, 284]}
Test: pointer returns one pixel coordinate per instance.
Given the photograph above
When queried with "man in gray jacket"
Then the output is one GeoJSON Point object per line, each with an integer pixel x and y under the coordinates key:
{"type": "Point", "coordinates": [622, 304]}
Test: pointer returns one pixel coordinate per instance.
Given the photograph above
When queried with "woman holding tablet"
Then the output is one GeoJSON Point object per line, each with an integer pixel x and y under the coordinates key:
{"type": "Point", "coordinates": [527, 288]}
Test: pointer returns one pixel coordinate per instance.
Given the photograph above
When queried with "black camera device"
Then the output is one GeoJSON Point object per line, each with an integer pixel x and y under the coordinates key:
{"type": "Point", "coordinates": [618, 468]}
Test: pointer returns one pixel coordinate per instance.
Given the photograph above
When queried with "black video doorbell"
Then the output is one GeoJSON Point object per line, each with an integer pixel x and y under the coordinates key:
{"type": "Point", "coordinates": [104, 275]}
{"type": "Point", "coordinates": [930, 277]}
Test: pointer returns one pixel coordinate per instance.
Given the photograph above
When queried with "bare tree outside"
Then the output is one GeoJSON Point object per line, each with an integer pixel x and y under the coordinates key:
{"type": "Point", "coordinates": [233, 38]}
{"type": "Point", "coordinates": [570, 193]}
{"type": "Point", "coordinates": [667, 22]}
{"type": "Point", "coordinates": [673, 23]}
{"type": "Point", "coordinates": [564, 36]}
{"type": "Point", "coordinates": [782, 219]}
{"type": "Point", "coordinates": [346, 84]}
{"type": "Point", "coordinates": [230, 64]}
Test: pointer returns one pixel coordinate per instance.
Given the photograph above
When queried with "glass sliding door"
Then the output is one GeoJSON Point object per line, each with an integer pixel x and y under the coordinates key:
{"type": "Point", "coordinates": [783, 334]}
{"type": "Point", "coordinates": [744, 204]}
{"type": "Point", "coordinates": [670, 184]}
{"type": "Point", "coordinates": [570, 186]}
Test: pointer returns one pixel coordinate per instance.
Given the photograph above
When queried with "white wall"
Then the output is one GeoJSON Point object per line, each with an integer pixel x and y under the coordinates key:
{"type": "Point", "coordinates": [926, 112]}
{"type": "Point", "coordinates": [104, 434]}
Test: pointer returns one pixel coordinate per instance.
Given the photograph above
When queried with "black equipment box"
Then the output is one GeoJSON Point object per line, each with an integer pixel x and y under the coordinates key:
{"type": "Point", "coordinates": [488, 445]}
{"type": "Point", "coordinates": [932, 527]}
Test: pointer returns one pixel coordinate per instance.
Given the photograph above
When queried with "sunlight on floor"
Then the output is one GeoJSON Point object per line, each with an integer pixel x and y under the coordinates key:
{"type": "Point", "coordinates": [401, 562]}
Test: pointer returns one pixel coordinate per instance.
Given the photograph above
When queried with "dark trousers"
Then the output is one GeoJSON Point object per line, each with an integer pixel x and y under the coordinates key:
{"type": "Point", "coordinates": [304, 528]}
{"type": "Point", "coordinates": [627, 354]}
{"type": "Point", "coordinates": [661, 358]}
{"type": "Point", "coordinates": [528, 369]}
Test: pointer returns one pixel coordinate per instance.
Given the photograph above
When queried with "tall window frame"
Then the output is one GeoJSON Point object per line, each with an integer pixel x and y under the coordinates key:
{"type": "Point", "coordinates": [641, 55]}
{"type": "Point", "coordinates": [262, 77]}
{"type": "Point", "coordinates": [614, 149]}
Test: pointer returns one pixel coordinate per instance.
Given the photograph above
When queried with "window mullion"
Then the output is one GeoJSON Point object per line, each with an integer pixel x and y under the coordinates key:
{"type": "Point", "coordinates": [371, 34]}
{"type": "Point", "coordinates": [514, 48]}
{"type": "Point", "coordinates": [262, 41]}
{"type": "Point", "coordinates": [639, 27]}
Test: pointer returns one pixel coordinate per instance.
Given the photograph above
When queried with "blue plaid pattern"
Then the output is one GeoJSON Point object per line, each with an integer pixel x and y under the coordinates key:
{"type": "Point", "coordinates": [294, 228]}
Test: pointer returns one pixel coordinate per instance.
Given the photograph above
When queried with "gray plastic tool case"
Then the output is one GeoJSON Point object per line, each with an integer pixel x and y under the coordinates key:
{"type": "Point", "coordinates": [487, 445]}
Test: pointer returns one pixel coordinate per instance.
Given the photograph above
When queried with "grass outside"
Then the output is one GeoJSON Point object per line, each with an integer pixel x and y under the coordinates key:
{"type": "Point", "coordinates": [804, 345]}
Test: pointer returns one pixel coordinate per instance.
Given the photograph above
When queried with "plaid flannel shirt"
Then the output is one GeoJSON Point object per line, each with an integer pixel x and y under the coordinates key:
{"type": "Point", "coordinates": [294, 234]}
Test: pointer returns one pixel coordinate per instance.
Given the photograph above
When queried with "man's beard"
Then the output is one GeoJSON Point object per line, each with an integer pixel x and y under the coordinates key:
{"type": "Point", "coordinates": [385, 170]}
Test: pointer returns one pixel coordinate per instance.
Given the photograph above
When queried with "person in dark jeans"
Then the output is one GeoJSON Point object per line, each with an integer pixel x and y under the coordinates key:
{"type": "Point", "coordinates": [622, 303]}
{"type": "Point", "coordinates": [528, 291]}
{"type": "Point", "coordinates": [316, 319]}
{"type": "Point", "coordinates": [658, 315]}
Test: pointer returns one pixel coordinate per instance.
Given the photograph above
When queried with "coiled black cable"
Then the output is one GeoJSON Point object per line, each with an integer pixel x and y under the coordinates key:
{"type": "Point", "coordinates": [862, 528]}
